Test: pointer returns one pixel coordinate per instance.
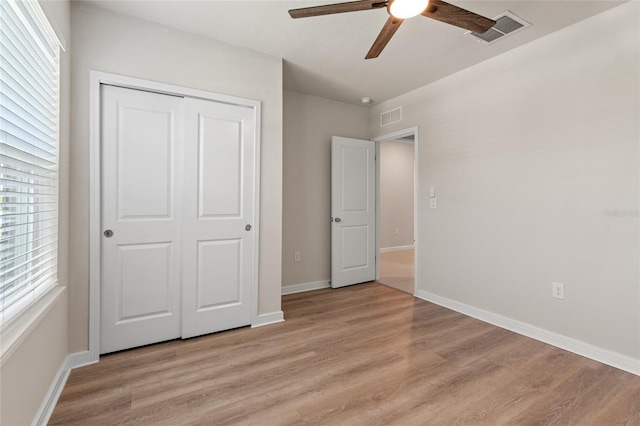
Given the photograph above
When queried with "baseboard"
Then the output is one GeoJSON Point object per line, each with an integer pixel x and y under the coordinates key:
{"type": "Point", "coordinates": [266, 319]}
{"type": "Point", "coordinates": [604, 356]}
{"type": "Point", "coordinates": [53, 394]}
{"type": "Point", "coordinates": [80, 359]}
{"type": "Point", "coordinates": [51, 398]}
{"type": "Point", "coordinates": [299, 288]}
{"type": "Point", "coordinates": [397, 248]}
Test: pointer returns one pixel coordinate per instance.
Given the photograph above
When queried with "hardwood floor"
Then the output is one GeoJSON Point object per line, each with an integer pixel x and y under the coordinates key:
{"type": "Point", "coordinates": [360, 355]}
{"type": "Point", "coordinates": [397, 270]}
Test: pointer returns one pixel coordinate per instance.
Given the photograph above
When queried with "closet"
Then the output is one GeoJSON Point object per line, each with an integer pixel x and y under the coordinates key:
{"type": "Point", "coordinates": [177, 204]}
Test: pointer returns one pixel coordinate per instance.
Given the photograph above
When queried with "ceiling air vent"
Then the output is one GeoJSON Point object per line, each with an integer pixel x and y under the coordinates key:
{"type": "Point", "coordinates": [391, 116]}
{"type": "Point", "coordinates": [506, 23]}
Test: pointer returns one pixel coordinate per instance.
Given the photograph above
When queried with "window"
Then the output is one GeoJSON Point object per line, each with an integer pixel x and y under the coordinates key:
{"type": "Point", "coordinates": [29, 116]}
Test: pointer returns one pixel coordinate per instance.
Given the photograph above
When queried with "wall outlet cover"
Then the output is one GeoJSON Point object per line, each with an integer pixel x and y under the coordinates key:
{"type": "Point", "coordinates": [557, 290]}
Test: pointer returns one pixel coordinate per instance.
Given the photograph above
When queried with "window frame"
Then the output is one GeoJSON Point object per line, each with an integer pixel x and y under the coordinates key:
{"type": "Point", "coordinates": [19, 318]}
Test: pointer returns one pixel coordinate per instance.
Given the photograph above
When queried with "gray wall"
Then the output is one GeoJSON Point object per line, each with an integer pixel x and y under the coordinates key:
{"type": "Point", "coordinates": [28, 371]}
{"type": "Point", "coordinates": [309, 123]}
{"type": "Point", "coordinates": [109, 42]}
{"type": "Point", "coordinates": [396, 194]}
{"type": "Point", "coordinates": [530, 152]}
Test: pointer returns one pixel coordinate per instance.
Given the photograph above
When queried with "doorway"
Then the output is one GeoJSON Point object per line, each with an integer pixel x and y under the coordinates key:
{"type": "Point", "coordinates": [397, 197]}
{"type": "Point", "coordinates": [359, 250]}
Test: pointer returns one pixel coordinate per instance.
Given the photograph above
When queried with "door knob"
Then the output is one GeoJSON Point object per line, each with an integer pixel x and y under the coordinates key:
{"type": "Point", "coordinates": [247, 228]}
{"type": "Point", "coordinates": [108, 233]}
{"type": "Point", "coordinates": [338, 219]}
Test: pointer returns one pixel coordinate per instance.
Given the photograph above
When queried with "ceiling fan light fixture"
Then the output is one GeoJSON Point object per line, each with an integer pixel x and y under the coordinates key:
{"type": "Point", "coordinates": [403, 9]}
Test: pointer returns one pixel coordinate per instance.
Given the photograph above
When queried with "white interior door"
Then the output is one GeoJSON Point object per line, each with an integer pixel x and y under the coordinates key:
{"type": "Point", "coordinates": [177, 212]}
{"type": "Point", "coordinates": [219, 230]}
{"type": "Point", "coordinates": [353, 211]}
{"type": "Point", "coordinates": [142, 165]}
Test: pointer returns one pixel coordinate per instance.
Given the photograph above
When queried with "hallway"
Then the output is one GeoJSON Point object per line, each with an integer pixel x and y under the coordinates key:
{"type": "Point", "coordinates": [397, 270]}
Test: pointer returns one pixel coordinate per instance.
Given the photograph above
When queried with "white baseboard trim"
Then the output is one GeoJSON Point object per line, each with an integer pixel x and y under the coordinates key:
{"type": "Point", "coordinates": [72, 361]}
{"type": "Point", "coordinates": [80, 359]}
{"type": "Point", "coordinates": [266, 319]}
{"type": "Point", "coordinates": [299, 288]}
{"type": "Point", "coordinates": [51, 398]}
{"type": "Point", "coordinates": [604, 356]}
{"type": "Point", "coordinates": [397, 248]}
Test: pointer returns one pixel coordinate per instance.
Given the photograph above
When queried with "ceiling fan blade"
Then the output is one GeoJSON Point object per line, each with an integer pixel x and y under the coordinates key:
{"type": "Point", "coordinates": [454, 15]}
{"type": "Point", "coordinates": [352, 6]}
{"type": "Point", "coordinates": [389, 29]}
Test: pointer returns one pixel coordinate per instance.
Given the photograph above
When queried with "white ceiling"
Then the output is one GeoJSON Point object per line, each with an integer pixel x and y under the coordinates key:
{"type": "Point", "coordinates": [324, 55]}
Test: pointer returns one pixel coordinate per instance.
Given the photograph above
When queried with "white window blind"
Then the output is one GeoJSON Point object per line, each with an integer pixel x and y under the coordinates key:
{"type": "Point", "coordinates": [29, 110]}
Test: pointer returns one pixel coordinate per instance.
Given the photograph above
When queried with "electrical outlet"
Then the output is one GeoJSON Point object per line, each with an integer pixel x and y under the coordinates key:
{"type": "Point", "coordinates": [557, 290]}
{"type": "Point", "coordinates": [296, 256]}
{"type": "Point", "coordinates": [397, 231]}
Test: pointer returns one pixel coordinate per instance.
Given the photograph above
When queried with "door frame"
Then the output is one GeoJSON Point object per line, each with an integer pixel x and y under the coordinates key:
{"type": "Point", "coordinates": [412, 131]}
{"type": "Point", "coordinates": [98, 78]}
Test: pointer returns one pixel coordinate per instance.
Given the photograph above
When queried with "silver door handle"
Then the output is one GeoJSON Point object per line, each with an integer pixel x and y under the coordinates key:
{"type": "Point", "coordinates": [247, 228]}
{"type": "Point", "coordinates": [108, 233]}
{"type": "Point", "coordinates": [338, 219]}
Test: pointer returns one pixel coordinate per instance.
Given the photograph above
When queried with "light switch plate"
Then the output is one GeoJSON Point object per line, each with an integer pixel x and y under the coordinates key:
{"type": "Point", "coordinates": [432, 203]}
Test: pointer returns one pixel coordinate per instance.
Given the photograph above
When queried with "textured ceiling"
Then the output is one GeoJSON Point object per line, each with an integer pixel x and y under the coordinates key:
{"type": "Point", "coordinates": [324, 55]}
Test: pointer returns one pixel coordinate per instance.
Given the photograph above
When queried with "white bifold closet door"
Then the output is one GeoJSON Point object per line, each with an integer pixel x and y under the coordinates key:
{"type": "Point", "coordinates": [177, 205]}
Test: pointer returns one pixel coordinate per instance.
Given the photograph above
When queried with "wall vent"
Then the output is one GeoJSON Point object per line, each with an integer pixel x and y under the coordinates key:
{"type": "Point", "coordinates": [391, 116]}
{"type": "Point", "coordinates": [506, 23]}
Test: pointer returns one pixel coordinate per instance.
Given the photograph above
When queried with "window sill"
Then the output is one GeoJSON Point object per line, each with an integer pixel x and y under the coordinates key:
{"type": "Point", "coordinates": [19, 328]}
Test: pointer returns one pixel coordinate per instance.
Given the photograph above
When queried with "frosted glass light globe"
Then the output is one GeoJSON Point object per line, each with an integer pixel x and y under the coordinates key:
{"type": "Point", "coordinates": [404, 9]}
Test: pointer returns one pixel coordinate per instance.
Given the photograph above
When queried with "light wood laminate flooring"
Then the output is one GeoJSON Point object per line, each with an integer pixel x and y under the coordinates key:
{"type": "Point", "coordinates": [397, 270]}
{"type": "Point", "coordinates": [360, 355]}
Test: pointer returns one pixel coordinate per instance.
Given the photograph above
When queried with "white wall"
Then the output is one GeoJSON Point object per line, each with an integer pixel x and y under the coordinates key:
{"type": "Point", "coordinates": [396, 194]}
{"type": "Point", "coordinates": [30, 369]}
{"type": "Point", "coordinates": [309, 123]}
{"type": "Point", "coordinates": [109, 42]}
{"type": "Point", "coordinates": [528, 151]}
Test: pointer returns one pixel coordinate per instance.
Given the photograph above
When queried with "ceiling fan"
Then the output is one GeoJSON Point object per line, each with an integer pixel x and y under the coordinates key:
{"type": "Point", "coordinates": [399, 10]}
